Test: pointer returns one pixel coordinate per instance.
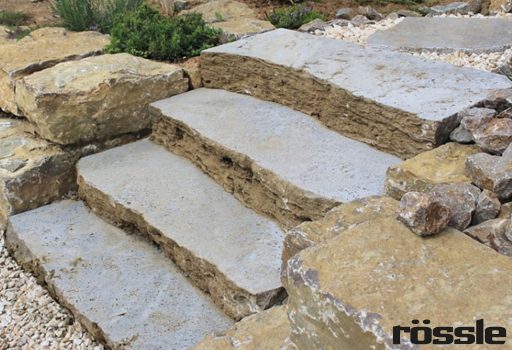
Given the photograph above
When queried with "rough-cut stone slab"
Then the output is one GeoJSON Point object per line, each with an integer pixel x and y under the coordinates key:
{"type": "Point", "coordinates": [400, 103]}
{"type": "Point", "coordinates": [349, 292]}
{"type": "Point", "coordinates": [96, 98]}
{"type": "Point", "coordinates": [276, 160]}
{"type": "Point", "coordinates": [42, 49]}
{"type": "Point", "coordinates": [447, 34]}
{"type": "Point", "coordinates": [225, 248]}
{"type": "Point", "coordinates": [121, 288]}
{"type": "Point", "coordinates": [266, 330]}
{"type": "Point", "coordinates": [337, 220]}
{"type": "Point", "coordinates": [445, 164]}
{"type": "Point", "coordinates": [34, 172]}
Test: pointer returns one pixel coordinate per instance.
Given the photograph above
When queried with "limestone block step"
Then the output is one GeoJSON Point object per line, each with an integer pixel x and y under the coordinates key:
{"type": "Point", "coordinates": [349, 292]}
{"type": "Point", "coordinates": [276, 160]}
{"type": "Point", "coordinates": [96, 98]}
{"type": "Point", "coordinates": [394, 101]}
{"type": "Point", "coordinates": [225, 248]}
{"type": "Point", "coordinates": [121, 288]}
{"type": "Point", "coordinates": [43, 48]}
{"type": "Point", "coordinates": [34, 172]}
{"type": "Point", "coordinates": [266, 330]}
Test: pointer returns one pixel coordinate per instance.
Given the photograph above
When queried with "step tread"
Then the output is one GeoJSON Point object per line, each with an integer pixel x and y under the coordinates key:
{"type": "Point", "coordinates": [431, 90]}
{"type": "Point", "coordinates": [117, 281]}
{"type": "Point", "coordinates": [289, 143]}
{"type": "Point", "coordinates": [190, 209]}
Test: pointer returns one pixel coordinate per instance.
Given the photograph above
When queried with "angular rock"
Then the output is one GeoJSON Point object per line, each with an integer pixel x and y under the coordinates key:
{"type": "Point", "coordinates": [96, 98]}
{"type": "Point", "coordinates": [425, 214]}
{"type": "Point", "coordinates": [461, 135]}
{"type": "Point", "coordinates": [370, 13]}
{"type": "Point", "coordinates": [461, 199]}
{"type": "Point", "coordinates": [457, 8]}
{"type": "Point", "coordinates": [6, 36]}
{"type": "Point", "coordinates": [316, 24]}
{"type": "Point", "coordinates": [360, 20]}
{"type": "Point", "coordinates": [447, 34]}
{"type": "Point", "coordinates": [474, 118]}
{"type": "Point", "coordinates": [255, 150]}
{"type": "Point", "coordinates": [240, 28]}
{"type": "Point", "coordinates": [487, 207]}
{"type": "Point", "coordinates": [124, 291]}
{"type": "Point", "coordinates": [350, 292]}
{"type": "Point", "coordinates": [497, 6]}
{"type": "Point", "coordinates": [225, 248]}
{"type": "Point", "coordinates": [493, 173]}
{"type": "Point", "coordinates": [265, 330]}
{"type": "Point", "coordinates": [408, 13]}
{"type": "Point", "coordinates": [507, 113]}
{"type": "Point", "coordinates": [404, 105]}
{"type": "Point", "coordinates": [506, 211]}
{"type": "Point", "coordinates": [336, 221]}
{"type": "Point", "coordinates": [495, 135]}
{"type": "Point", "coordinates": [445, 164]}
{"type": "Point", "coordinates": [492, 233]}
{"type": "Point", "coordinates": [346, 13]}
{"type": "Point", "coordinates": [42, 49]}
{"type": "Point", "coordinates": [192, 71]}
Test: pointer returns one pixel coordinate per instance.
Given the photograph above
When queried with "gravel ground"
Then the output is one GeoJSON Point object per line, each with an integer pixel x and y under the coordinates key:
{"type": "Point", "coordinates": [490, 62]}
{"type": "Point", "coordinates": [30, 318]}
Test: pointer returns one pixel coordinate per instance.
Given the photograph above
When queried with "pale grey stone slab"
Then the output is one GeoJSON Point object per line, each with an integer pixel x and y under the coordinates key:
{"type": "Point", "coordinates": [119, 286]}
{"type": "Point", "coordinates": [447, 34]}
{"type": "Point", "coordinates": [292, 145]}
{"type": "Point", "coordinates": [430, 90]}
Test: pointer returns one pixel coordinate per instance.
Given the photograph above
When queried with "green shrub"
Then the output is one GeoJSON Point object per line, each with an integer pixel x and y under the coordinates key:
{"type": "Point", "coordinates": [293, 17]}
{"type": "Point", "coordinates": [79, 15]}
{"type": "Point", "coordinates": [144, 32]}
{"type": "Point", "coordinates": [13, 18]}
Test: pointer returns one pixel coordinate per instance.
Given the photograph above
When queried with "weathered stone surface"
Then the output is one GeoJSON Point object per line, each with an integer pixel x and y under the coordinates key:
{"type": "Point", "coordinates": [234, 18]}
{"type": "Point", "coordinates": [5, 36]}
{"type": "Point", "coordinates": [487, 207]}
{"type": "Point", "coordinates": [493, 173]}
{"type": "Point", "coordinates": [192, 70]}
{"type": "Point", "coordinates": [506, 211]}
{"type": "Point", "coordinates": [493, 233]}
{"type": "Point", "coordinates": [459, 8]}
{"type": "Point", "coordinates": [473, 118]}
{"type": "Point", "coordinates": [316, 24]}
{"type": "Point", "coordinates": [34, 172]}
{"type": "Point", "coordinates": [360, 20]}
{"type": "Point", "coordinates": [507, 113]}
{"type": "Point", "coordinates": [42, 49]}
{"type": "Point", "coordinates": [425, 214]}
{"type": "Point", "coordinates": [265, 330]}
{"type": "Point", "coordinates": [445, 164]}
{"type": "Point", "coordinates": [447, 34]}
{"type": "Point", "coordinates": [96, 98]}
{"type": "Point", "coordinates": [396, 102]}
{"type": "Point", "coordinates": [349, 292]}
{"type": "Point", "coordinates": [370, 13]}
{"type": "Point", "coordinates": [336, 221]}
{"type": "Point", "coordinates": [461, 199]}
{"type": "Point", "coordinates": [495, 135]}
{"type": "Point", "coordinates": [407, 13]}
{"type": "Point", "coordinates": [121, 288]}
{"type": "Point", "coordinates": [461, 135]}
{"type": "Point", "coordinates": [346, 13]}
{"type": "Point", "coordinates": [225, 248]}
{"type": "Point", "coordinates": [256, 150]}
{"type": "Point", "coordinates": [497, 6]}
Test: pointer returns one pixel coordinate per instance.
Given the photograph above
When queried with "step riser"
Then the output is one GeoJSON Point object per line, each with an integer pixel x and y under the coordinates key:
{"type": "Point", "coordinates": [388, 129]}
{"type": "Point", "coordinates": [235, 302]}
{"type": "Point", "coordinates": [258, 188]}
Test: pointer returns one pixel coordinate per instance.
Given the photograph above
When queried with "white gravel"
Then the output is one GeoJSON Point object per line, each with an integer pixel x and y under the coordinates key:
{"type": "Point", "coordinates": [490, 62]}
{"type": "Point", "coordinates": [30, 318]}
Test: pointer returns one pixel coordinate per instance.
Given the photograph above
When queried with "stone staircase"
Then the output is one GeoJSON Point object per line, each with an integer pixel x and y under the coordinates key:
{"type": "Point", "coordinates": [174, 237]}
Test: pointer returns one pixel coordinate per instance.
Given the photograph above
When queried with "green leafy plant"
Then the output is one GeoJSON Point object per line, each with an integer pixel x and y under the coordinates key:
{"type": "Point", "coordinates": [13, 18]}
{"type": "Point", "coordinates": [293, 17]}
{"type": "Point", "coordinates": [79, 15]}
{"type": "Point", "coordinates": [144, 32]}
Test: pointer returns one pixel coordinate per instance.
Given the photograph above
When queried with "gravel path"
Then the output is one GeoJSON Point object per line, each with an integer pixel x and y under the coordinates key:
{"type": "Point", "coordinates": [30, 318]}
{"type": "Point", "coordinates": [490, 62]}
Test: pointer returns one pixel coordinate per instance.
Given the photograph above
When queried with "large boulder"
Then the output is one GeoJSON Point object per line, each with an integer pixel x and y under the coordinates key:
{"type": "Point", "coordinates": [444, 164]}
{"type": "Point", "coordinates": [42, 49]}
{"type": "Point", "coordinates": [96, 98]}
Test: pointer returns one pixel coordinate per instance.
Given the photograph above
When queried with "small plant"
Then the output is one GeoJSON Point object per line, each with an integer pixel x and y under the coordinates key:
{"type": "Point", "coordinates": [144, 32]}
{"type": "Point", "coordinates": [293, 17]}
{"type": "Point", "coordinates": [219, 17]}
{"type": "Point", "coordinates": [13, 18]}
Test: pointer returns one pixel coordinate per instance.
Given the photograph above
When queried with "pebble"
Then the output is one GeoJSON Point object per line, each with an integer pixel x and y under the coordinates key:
{"type": "Point", "coordinates": [30, 318]}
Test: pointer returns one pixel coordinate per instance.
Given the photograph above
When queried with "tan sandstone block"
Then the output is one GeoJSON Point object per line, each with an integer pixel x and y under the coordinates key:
{"type": "Point", "coordinates": [42, 49]}
{"type": "Point", "coordinates": [444, 164]}
{"type": "Point", "coordinates": [349, 292]}
{"type": "Point", "coordinates": [265, 330]}
{"type": "Point", "coordinates": [96, 98]}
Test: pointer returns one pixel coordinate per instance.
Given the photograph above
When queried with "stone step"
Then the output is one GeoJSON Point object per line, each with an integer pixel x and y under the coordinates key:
{"type": "Point", "coordinates": [226, 249]}
{"type": "Point", "coordinates": [43, 48]}
{"type": "Point", "coordinates": [394, 101]}
{"type": "Point", "coordinates": [351, 291]}
{"type": "Point", "coordinates": [278, 161]}
{"type": "Point", "coordinates": [124, 291]}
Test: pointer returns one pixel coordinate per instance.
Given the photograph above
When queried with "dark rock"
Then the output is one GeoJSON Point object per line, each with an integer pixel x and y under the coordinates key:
{"type": "Point", "coordinates": [360, 20]}
{"type": "Point", "coordinates": [346, 13]}
{"type": "Point", "coordinates": [495, 135]}
{"type": "Point", "coordinates": [461, 199]}
{"type": "Point", "coordinates": [370, 13]}
{"type": "Point", "coordinates": [487, 207]}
